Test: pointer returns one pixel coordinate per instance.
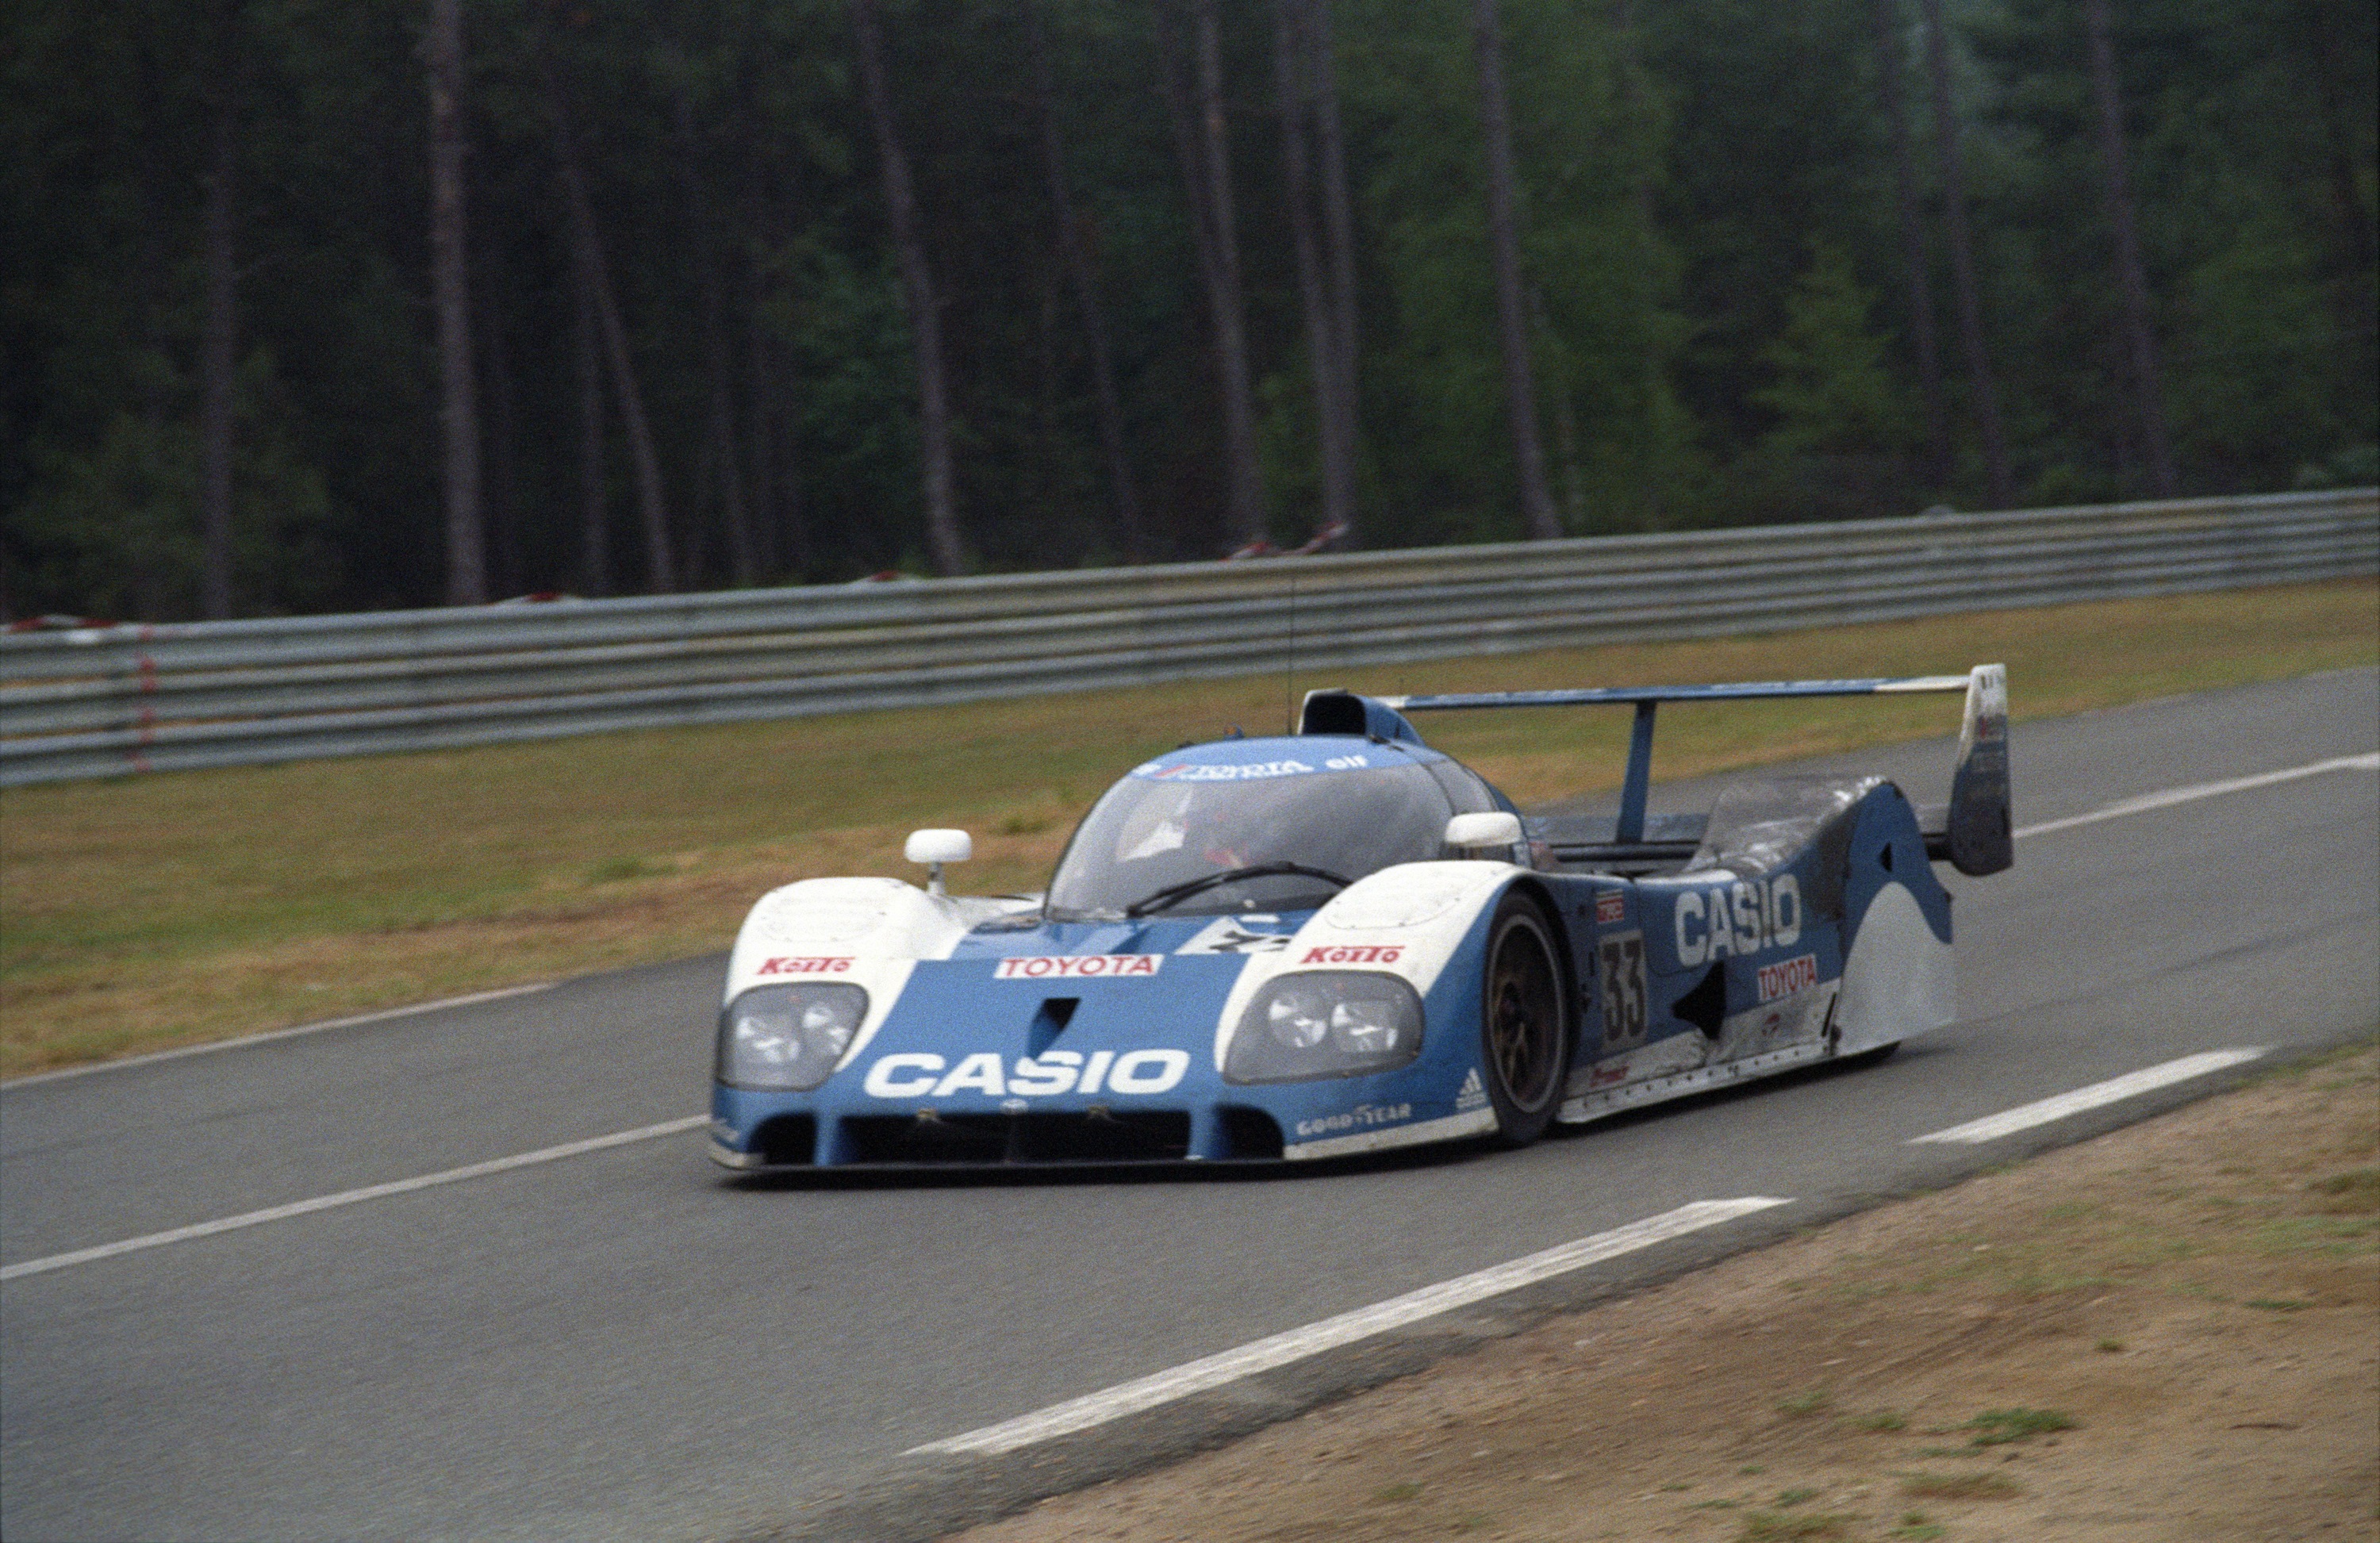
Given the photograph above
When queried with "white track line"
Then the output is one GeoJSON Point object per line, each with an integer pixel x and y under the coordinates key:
{"type": "Point", "coordinates": [246, 1039]}
{"type": "Point", "coordinates": [2025, 1116]}
{"type": "Point", "coordinates": [2173, 796]}
{"type": "Point", "coordinates": [1214, 1371]}
{"type": "Point", "coordinates": [350, 1198]}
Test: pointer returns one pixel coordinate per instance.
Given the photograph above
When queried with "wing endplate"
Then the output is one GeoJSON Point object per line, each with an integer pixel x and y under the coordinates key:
{"type": "Point", "coordinates": [1981, 833]}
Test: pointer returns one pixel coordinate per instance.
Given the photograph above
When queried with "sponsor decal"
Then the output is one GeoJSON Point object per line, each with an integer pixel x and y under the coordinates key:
{"type": "Point", "coordinates": [1075, 966]}
{"type": "Point", "coordinates": [1355, 953]}
{"type": "Point", "coordinates": [1244, 771]}
{"type": "Point", "coordinates": [1193, 772]}
{"type": "Point", "coordinates": [1359, 1116]}
{"type": "Point", "coordinates": [1799, 974]}
{"type": "Point", "coordinates": [804, 966]}
{"type": "Point", "coordinates": [920, 1074]}
{"type": "Point", "coordinates": [1473, 1093]}
{"type": "Point", "coordinates": [1226, 935]}
{"type": "Point", "coordinates": [1604, 1076]}
{"type": "Point", "coordinates": [1610, 907]}
{"type": "Point", "coordinates": [1735, 919]}
{"type": "Point", "coordinates": [722, 1131]}
{"type": "Point", "coordinates": [1619, 974]}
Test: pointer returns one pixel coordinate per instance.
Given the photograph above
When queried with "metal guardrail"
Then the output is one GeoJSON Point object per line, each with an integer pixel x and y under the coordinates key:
{"type": "Point", "coordinates": [106, 699]}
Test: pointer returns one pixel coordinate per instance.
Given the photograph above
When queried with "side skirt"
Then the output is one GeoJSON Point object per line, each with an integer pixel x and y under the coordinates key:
{"type": "Point", "coordinates": [1479, 1121]}
{"type": "Point", "coordinates": [1679, 1085]}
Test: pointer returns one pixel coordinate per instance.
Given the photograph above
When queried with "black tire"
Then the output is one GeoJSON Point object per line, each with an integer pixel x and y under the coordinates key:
{"type": "Point", "coordinates": [1523, 1022]}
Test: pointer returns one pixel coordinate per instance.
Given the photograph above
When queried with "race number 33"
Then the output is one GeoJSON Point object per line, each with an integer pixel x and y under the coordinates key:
{"type": "Point", "coordinates": [1619, 958]}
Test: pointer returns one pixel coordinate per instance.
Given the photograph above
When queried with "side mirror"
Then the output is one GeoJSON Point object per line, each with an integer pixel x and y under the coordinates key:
{"type": "Point", "coordinates": [933, 848]}
{"type": "Point", "coordinates": [1484, 832]}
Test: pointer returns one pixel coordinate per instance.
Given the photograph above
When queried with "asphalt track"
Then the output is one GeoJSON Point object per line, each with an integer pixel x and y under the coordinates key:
{"type": "Point", "coordinates": [619, 1345]}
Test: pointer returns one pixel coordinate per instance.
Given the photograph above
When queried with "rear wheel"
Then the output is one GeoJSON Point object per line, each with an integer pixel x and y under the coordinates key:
{"type": "Point", "coordinates": [1524, 1022]}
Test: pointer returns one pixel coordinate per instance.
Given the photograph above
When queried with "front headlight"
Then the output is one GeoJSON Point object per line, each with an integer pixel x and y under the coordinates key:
{"type": "Point", "coordinates": [787, 1037]}
{"type": "Point", "coordinates": [1325, 1024]}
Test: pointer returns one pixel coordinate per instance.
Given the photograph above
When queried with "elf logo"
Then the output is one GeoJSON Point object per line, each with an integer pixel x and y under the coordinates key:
{"type": "Point", "coordinates": [919, 1074]}
{"type": "Point", "coordinates": [1739, 918]}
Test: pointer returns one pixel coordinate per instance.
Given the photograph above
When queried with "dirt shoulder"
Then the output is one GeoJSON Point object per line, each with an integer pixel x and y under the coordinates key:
{"type": "Point", "coordinates": [2170, 1333]}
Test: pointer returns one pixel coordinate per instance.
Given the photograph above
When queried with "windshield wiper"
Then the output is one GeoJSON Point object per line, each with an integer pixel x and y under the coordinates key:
{"type": "Point", "coordinates": [1189, 887]}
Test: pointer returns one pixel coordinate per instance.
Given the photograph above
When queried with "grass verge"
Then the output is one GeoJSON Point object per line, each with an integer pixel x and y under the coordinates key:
{"type": "Point", "coordinates": [141, 913]}
{"type": "Point", "coordinates": [1681, 1412]}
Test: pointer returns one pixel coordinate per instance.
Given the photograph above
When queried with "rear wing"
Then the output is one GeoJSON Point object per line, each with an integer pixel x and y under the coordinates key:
{"type": "Point", "coordinates": [1974, 834]}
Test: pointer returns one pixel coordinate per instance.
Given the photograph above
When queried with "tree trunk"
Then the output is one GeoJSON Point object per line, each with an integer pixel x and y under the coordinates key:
{"type": "Point", "coordinates": [2332, 58]}
{"type": "Point", "coordinates": [1912, 244]}
{"type": "Point", "coordinates": [1962, 263]}
{"type": "Point", "coordinates": [760, 435]}
{"type": "Point", "coordinates": [156, 266]}
{"type": "Point", "coordinates": [1322, 321]}
{"type": "Point", "coordinates": [1087, 292]}
{"type": "Point", "coordinates": [1339, 232]}
{"type": "Point", "coordinates": [466, 579]}
{"type": "Point", "coordinates": [716, 365]}
{"type": "Point", "coordinates": [219, 362]}
{"type": "Point", "coordinates": [1196, 112]}
{"type": "Point", "coordinates": [1538, 514]}
{"type": "Point", "coordinates": [500, 480]}
{"type": "Point", "coordinates": [779, 530]}
{"type": "Point", "coordinates": [948, 553]}
{"type": "Point", "coordinates": [2115, 188]}
{"type": "Point", "coordinates": [2338, 123]}
{"type": "Point", "coordinates": [777, 510]}
{"type": "Point", "coordinates": [594, 520]}
{"type": "Point", "coordinates": [587, 251]}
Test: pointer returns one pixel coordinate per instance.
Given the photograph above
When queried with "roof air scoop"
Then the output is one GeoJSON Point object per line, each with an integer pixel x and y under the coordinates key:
{"type": "Point", "coordinates": [1336, 711]}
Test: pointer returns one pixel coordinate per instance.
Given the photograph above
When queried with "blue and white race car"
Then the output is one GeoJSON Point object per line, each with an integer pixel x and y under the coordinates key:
{"type": "Point", "coordinates": [1341, 940]}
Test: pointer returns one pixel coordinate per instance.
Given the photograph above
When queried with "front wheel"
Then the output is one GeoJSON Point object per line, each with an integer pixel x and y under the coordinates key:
{"type": "Point", "coordinates": [1524, 1022]}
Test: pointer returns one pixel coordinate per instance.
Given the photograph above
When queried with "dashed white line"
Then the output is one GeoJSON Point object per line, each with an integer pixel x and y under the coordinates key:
{"type": "Point", "coordinates": [1297, 1345]}
{"type": "Point", "coordinates": [246, 1039]}
{"type": "Point", "coordinates": [2025, 1116]}
{"type": "Point", "coordinates": [349, 1198]}
{"type": "Point", "coordinates": [2172, 795]}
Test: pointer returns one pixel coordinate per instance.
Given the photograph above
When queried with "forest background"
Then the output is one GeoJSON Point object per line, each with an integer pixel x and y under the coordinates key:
{"type": "Point", "coordinates": [312, 305]}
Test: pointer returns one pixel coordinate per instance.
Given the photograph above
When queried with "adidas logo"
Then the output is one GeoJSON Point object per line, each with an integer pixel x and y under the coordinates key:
{"type": "Point", "coordinates": [1473, 1092]}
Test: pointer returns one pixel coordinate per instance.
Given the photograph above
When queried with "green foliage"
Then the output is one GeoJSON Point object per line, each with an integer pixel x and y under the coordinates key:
{"type": "Point", "coordinates": [1833, 392]}
{"type": "Point", "coordinates": [119, 526]}
{"type": "Point", "coordinates": [1959, 1487]}
{"type": "Point", "coordinates": [1996, 1427]}
{"type": "Point", "coordinates": [1770, 1526]}
{"type": "Point", "coordinates": [1720, 323]}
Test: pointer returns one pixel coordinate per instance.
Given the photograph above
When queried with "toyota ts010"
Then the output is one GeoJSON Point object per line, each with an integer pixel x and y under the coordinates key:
{"type": "Point", "coordinates": [1341, 940]}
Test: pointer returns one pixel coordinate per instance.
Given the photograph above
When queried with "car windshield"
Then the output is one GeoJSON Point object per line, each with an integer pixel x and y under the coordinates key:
{"type": "Point", "coordinates": [1148, 834]}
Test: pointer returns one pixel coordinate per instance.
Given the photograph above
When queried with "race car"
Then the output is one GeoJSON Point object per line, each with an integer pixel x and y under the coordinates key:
{"type": "Point", "coordinates": [1341, 940]}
